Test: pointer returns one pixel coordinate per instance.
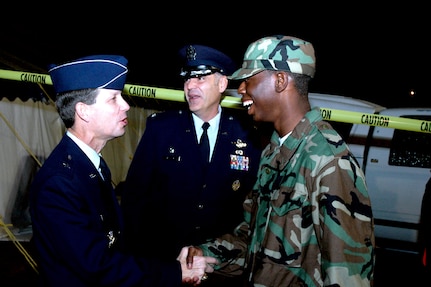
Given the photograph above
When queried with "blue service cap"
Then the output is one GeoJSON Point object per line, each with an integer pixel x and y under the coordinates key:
{"type": "Point", "coordinates": [201, 60]}
{"type": "Point", "coordinates": [92, 72]}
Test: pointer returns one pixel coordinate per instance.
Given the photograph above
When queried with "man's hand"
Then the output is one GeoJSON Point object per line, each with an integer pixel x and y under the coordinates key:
{"type": "Point", "coordinates": [193, 251]}
{"type": "Point", "coordinates": [194, 267]}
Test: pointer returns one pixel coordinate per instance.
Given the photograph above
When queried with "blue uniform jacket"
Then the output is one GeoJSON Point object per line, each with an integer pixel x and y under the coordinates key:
{"type": "Point", "coordinates": [73, 212]}
{"type": "Point", "coordinates": [167, 196]}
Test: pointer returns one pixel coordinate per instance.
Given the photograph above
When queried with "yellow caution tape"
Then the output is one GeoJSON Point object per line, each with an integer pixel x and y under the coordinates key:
{"type": "Point", "coordinates": [235, 102]}
{"type": "Point", "coordinates": [172, 95]}
{"type": "Point", "coordinates": [376, 120]}
{"type": "Point", "coordinates": [25, 77]}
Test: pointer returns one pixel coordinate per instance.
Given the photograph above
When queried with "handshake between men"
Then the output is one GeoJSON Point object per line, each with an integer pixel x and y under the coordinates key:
{"type": "Point", "coordinates": [194, 265]}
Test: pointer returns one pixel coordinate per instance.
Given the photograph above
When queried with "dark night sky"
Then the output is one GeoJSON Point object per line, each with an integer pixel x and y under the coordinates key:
{"type": "Point", "coordinates": [363, 52]}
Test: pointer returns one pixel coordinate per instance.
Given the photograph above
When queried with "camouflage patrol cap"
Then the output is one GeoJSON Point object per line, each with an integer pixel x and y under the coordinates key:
{"type": "Point", "coordinates": [278, 53]}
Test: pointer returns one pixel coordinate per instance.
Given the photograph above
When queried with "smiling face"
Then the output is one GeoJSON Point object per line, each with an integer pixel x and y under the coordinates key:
{"type": "Point", "coordinates": [259, 96]}
{"type": "Point", "coordinates": [203, 94]}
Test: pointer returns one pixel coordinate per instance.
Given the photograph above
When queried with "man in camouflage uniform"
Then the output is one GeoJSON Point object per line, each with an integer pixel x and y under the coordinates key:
{"type": "Point", "coordinates": [308, 219]}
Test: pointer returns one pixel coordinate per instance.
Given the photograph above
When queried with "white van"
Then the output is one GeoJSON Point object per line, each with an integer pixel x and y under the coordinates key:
{"type": "Point", "coordinates": [396, 163]}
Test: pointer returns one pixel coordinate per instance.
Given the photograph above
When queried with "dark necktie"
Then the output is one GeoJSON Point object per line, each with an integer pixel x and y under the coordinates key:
{"type": "Point", "coordinates": [105, 170]}
{"type": "Point", "coordinates": [110, 218]}
{"type": "Point", "coordinates": [204, 143]}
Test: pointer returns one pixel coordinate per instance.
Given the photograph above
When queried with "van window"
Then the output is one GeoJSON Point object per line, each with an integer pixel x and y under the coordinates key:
{"type": "Point", "coordinates": [410, 148]}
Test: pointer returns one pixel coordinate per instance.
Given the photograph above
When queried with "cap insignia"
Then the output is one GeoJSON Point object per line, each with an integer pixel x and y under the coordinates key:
{"type": "Point", "coordinates": [191, 53]}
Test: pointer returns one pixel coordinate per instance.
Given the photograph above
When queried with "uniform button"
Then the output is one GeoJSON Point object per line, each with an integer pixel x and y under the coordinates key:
{"type": "Point", "coordinates": [200, 206]}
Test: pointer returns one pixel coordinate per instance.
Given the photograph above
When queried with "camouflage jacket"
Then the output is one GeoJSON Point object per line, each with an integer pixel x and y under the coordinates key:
{"type": "Point", "coordinates": [308, 220]}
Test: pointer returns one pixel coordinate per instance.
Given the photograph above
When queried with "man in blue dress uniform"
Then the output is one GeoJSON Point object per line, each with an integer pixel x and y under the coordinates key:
{"type": "Point", "coordinates": [173, 195]}
{"type": "Point", "coordinates": [77, 223]}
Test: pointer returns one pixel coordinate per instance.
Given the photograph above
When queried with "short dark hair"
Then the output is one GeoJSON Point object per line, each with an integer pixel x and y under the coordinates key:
{"type": "Point", "coordinates": [301, 83]}
{"type": "Point", "coordinates": [66, 102]}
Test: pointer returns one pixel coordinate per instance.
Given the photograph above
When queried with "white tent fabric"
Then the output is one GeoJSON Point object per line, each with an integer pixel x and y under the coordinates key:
{"type": "Point", "coordinates": [28, 133]}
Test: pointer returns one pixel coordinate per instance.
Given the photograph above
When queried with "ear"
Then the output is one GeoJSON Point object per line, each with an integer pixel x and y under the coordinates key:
{"type": "Point", "coordinates": [81, 111]}
{"type": "Point", "coordinates": [281, 81]}
{"type": "Point", "coordinates": [222, 84]}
